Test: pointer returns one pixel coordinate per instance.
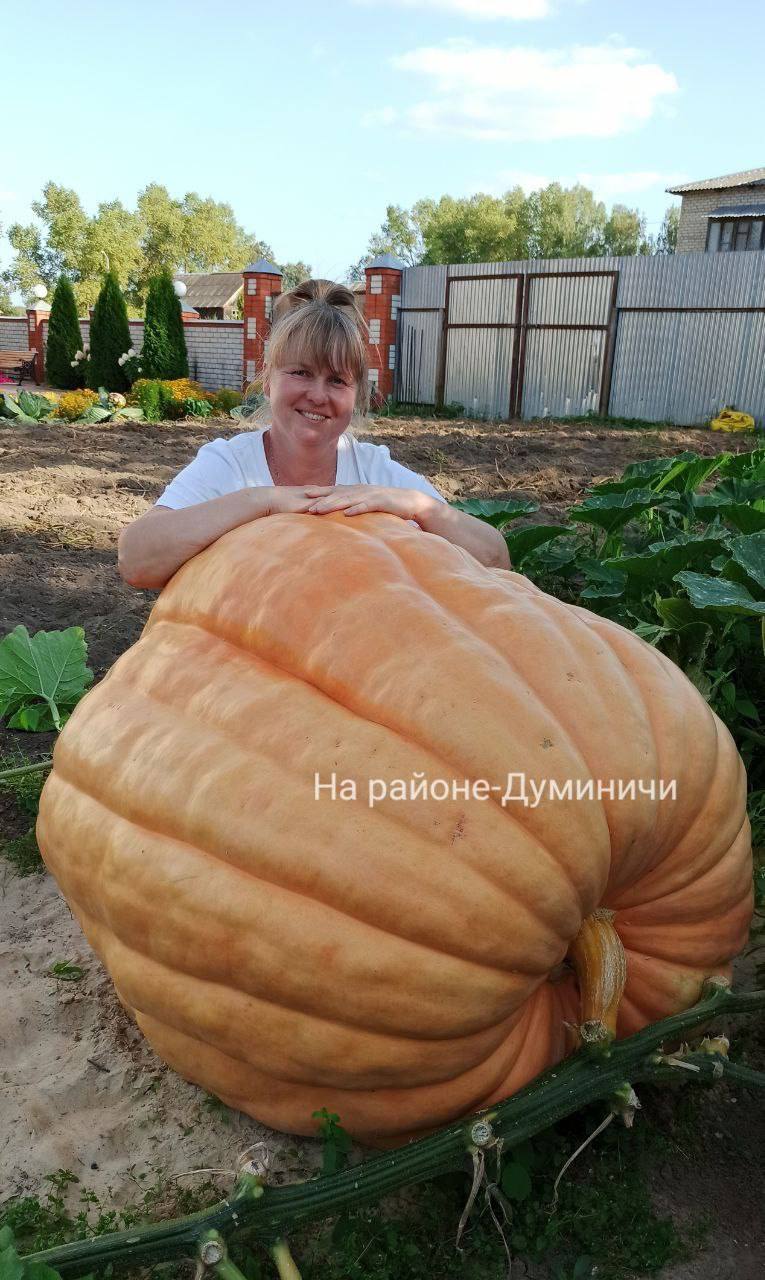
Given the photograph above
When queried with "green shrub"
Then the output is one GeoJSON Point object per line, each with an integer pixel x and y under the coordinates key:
{"type": "Point", "coordinates": [156, 400]}
{"type": "Point", "coordinates": [226, 399]}
{"type": "Point", "coordinates": [109, 338]}
{"type": "Point", "coordinates": [163, 354]}
{"type": "Point", "coordinates": [64, 340]}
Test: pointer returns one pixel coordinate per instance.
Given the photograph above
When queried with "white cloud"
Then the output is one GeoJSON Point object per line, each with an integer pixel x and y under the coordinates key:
{"type": "Point", "coordinates": [515, 10]}
{"type": "Point", "coordinates": [522, 94]}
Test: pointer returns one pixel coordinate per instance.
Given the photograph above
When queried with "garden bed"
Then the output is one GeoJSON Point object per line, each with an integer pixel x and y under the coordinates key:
{"type": "Point", "coordinates": [84, 1092]}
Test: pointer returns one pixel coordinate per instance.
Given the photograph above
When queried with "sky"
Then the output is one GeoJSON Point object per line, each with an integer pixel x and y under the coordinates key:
{"type": "Point", "coordinates": [309, 118]}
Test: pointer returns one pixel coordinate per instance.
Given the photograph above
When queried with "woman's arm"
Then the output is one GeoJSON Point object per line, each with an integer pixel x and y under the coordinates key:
{"type": "Point", "coordinates": [152, 548]}
{"type": "Point", "coordinates": [482, 540]}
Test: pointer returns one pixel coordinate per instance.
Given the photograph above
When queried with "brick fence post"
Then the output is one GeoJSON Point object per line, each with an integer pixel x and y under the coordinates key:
{"type": "Point", "coordinates": [381, 303]}
{"type": "Point", "coordinates": [262, 281]}
{"type": "Point", "coordinates": [36, 317]}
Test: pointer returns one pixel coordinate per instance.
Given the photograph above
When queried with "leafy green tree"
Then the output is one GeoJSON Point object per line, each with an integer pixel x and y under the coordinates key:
{"type": "Point", "coordinates": [666, 241]}
{"type": "Point", "coordinates": [163, 354]}
{"type": "Point", "coordinates": [64, 339]}
{"type": "Point", "coordinates": [160, 234]}
{"type": "Point", "coordinates": [293, 273]}
{"type": "Point", "coordinates": [624, 234]}
{"type": "Point", "coordinates": [109, 338]}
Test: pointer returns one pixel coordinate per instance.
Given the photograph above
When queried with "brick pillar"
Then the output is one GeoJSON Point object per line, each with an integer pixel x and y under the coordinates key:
{"type": "Point", "coordinates": [36, 316]}
{"type": "Point", "coordinates": [262, 281]}
{"type": "Point", "coordinates": [381, 302]}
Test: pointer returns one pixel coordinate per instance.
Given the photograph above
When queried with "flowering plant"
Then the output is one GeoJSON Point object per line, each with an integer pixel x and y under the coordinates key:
{"type": "Point", "coordinates": [128, 361]}
{"type": "Point", "coordinates": [80, 362]}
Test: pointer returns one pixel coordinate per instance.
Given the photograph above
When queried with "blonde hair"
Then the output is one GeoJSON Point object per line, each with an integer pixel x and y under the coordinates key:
{"type": "Point", "coordinates": [318, 323]}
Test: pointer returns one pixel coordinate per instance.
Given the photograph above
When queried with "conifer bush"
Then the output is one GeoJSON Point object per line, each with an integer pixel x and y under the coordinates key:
{"type": "Point", "coordinates": [163, 354]}
{"type": "Point", "coordinates": [64, 340]}
{"type": "Point", "coordinates": [109, 338]}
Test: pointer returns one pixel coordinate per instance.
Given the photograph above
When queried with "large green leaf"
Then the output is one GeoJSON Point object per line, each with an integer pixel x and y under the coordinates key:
{"type": "Point", "coordinates": [749, 552]}
{"type": "Point", "coordinates": [496, 512]}
{"type": "Point", "coordinates": [643, 474]}
{"type": "Point", "coordinates": [45, 670]}
{"type": "Point", "coordinates": [688, 473]}
{"type": "Point", "coordinates": [523, 541]}
{"type": "Point", "coordinates": [743, 464]}
{"type": "Point", "coordinates": [611, 511]}
{"type": "Point", "coordinates": [720, 594]}
{"type": "Point", "coordinates": [662, 560]}
{"type": "Point", "coordinates": [604, 580]}
{"type": "Point", "coordinates": [676, 612]}
{"type": "Point", "coordinates": [34, 406]}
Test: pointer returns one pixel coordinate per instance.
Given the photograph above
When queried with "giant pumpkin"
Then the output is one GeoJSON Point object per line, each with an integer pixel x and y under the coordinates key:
{"type": "Point", "coordinates": [400, 964]}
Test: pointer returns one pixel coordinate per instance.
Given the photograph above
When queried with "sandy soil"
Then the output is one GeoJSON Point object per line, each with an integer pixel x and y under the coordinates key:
{"type": "Point", "coordinates": [81, 1090]}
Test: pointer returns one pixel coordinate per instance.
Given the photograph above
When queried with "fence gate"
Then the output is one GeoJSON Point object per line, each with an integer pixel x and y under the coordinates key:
{"type": "Point", "coordinates": [566, 343]}
{"type": "Point", "coordinates": [479, 343]}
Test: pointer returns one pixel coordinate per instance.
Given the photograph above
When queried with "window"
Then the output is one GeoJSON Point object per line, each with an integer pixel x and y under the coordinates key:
{"type": "Point", "coordinates": [732, 235]}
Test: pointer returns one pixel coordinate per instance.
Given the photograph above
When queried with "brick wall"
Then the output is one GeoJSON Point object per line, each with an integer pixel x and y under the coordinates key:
{"type": "Point", "coordinates": [13, 333]}
{"type": "Point", "coordinates": [215, 352]}
{"type": "Point", "coordinates": [697, 205]}
{"type": "Point", "coordinates": [214, 347]}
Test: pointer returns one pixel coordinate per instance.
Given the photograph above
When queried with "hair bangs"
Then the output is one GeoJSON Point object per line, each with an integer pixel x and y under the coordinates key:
{"type": "Point", "coordinates": [322, 339]}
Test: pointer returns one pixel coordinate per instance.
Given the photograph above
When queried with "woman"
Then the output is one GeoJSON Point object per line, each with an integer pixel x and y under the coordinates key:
{"type": "Point", "coordinates": [305, 462]}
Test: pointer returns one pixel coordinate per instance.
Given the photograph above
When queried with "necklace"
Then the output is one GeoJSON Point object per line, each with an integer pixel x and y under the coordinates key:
{"type": "Point", "coordinates": [274, 470]}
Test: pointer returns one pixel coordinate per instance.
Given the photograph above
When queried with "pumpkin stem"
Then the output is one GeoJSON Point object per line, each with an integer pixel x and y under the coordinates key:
{"type": "Point", "coordinates": [598, 957]}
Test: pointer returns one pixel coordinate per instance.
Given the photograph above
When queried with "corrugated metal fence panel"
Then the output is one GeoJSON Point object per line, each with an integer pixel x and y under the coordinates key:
{"type": "Point", "coordinates": [482, 301]}
{"type": "Point", "coordinates": [423, 286]}
{"type": "Point", "coordinates": [478, 369]}
{"type": "Point", "coordinates": [570, 299]}
{"type": "Point", "coordinates": [418, 337]}
{"type": "Point", "coordinates": [563, 372]}
{"type": "Point", "coordinates": [666, 368]}
{"type": "Point", "coordinates": [672, 367]}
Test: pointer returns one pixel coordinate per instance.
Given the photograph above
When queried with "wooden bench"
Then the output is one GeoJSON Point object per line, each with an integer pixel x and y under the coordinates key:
{"type": "Point", "coordinates": [21, 363]}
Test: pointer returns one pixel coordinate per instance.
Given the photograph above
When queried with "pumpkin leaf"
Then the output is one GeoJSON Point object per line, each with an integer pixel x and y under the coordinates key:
{"type": "Point", "coordinates": [750, 554]}
{"type": "Point", "coordinates": [641, 474]}
{"type": "Point", "coordinates": [611, 511]}
{"type": "Point", "coordinates": [522, 542]}
{"type": "Point", "coordinates": [496, 512]}
{"type": "Point", "coordinates": [720, 594]}
{"type": "Point", "coordinates": [662, 560]}
{"type": "Point", "coordinates": [47, 668]}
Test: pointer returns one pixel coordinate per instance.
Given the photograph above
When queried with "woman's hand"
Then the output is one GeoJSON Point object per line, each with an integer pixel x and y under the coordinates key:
{"type": "Point", "coordinates": [358, 499]}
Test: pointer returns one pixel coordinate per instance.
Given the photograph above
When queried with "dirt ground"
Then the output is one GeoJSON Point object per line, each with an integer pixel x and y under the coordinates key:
{"type": "Point", "coordinates": [65, 492]}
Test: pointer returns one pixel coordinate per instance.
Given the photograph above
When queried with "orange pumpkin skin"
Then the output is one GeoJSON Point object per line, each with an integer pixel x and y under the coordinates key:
{"type": "Point", "coordinates": [392, 963]}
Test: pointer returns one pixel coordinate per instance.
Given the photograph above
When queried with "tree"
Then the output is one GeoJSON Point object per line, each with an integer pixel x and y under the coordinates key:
{"type": "Point", "coordinates": [161, 234]}
{"type": "Point", "coordinates": [624, 233]}
{"type": "Point", "coordinates": [554, 222]}
{"type": "Point", "coordinates": [109, 338]}
{"type": "Point", "coordinates": [64, 339]}
{"type": "Point", "coordinates": [666, 241]}
{"type": "Point", "coordinates": [293, 273]}
{"type": "Point", "coordinates": [163, 354]}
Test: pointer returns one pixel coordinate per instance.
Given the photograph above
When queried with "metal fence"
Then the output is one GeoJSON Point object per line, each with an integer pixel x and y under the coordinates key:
{"type": "Point", "coordinates": [666, 339]}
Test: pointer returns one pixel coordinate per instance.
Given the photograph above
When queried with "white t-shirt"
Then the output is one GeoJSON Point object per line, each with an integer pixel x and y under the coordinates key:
{"type": "Point", "coordinates": [223, 466]}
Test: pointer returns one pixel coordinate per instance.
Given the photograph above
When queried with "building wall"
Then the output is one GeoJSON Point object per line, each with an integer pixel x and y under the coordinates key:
{"type": "Point", "coordinates": [695, 210]}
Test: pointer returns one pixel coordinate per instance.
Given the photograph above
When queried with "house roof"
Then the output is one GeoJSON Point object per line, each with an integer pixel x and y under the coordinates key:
{"type": "Point", "coordinates": [746, 178]}
{"type": "Point", "coordinates": [738, 211]}
{"type": "Point", "coordinates": [213, 289]}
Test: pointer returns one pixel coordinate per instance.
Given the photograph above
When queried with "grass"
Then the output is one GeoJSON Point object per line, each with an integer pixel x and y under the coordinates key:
{"type": "Point", "coordinates": [22, 851]}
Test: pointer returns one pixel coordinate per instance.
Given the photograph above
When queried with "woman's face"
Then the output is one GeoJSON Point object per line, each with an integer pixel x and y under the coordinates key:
{"type": "Point", "coordinates": [310, 405]}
